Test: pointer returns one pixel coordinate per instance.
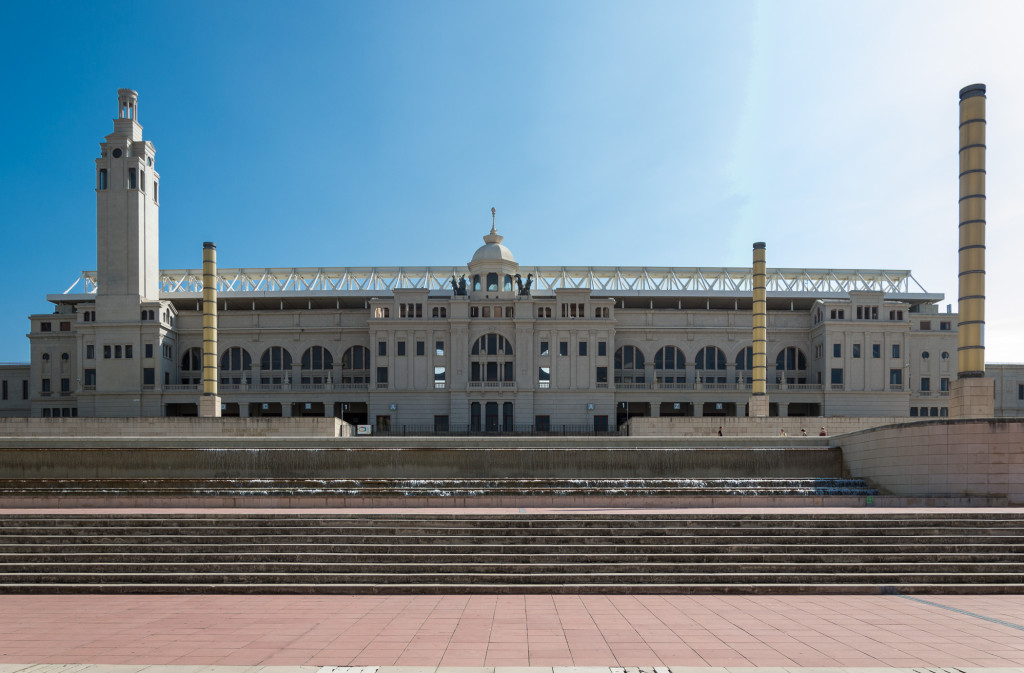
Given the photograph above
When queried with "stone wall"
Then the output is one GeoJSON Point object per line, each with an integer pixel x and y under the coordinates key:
{"type": "Point", "coordinates": [173, 427]}
{"type": "Point", "coordinates": [751, 427]}
{"type": "Point", "coordinates": [949, 458]}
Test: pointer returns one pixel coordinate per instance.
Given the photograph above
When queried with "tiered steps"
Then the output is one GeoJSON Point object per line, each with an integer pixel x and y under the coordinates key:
{"type": "Point", "coordinates": [948, 552]}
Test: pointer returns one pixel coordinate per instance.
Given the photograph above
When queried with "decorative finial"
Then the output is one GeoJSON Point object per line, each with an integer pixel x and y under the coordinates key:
{"type": "Point", "coordinates": [493, 237]}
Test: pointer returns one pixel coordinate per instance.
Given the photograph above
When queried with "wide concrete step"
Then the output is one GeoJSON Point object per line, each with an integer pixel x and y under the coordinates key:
{"type": "Point", "coordinates": [206, 557]}
{"type": "Point", "coordinates": [201, 578]}
{"type": "Point", "coordinates": [453, 568]}
{"type": "Point", "coordinates": [743, 588]}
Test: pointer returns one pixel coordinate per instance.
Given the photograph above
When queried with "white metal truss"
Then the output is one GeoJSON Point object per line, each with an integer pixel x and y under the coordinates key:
{"type": "Point", "coordinates": [546, 279]}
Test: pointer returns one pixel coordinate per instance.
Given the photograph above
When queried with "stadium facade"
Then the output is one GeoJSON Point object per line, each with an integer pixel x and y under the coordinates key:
{"type": "Point", "coordinates": [491, 345]}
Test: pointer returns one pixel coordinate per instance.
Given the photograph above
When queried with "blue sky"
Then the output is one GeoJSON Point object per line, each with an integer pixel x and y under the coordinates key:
{"type": "Point", "coordinates": [639, 133]}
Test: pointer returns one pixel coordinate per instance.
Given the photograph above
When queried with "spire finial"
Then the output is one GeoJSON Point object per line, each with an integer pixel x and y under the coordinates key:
{"type": "Point", "coordinates": [493, 237]}
{"type": "Point", "coordinates": [493, 212]}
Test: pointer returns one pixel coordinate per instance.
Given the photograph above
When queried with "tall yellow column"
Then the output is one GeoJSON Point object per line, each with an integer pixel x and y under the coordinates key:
{"type": "Point", "coordinates": [759, 398]}
{"type": "Point", "coordinates": [971, 395]}
{"type": "Point", "coordinates": [209, 403]}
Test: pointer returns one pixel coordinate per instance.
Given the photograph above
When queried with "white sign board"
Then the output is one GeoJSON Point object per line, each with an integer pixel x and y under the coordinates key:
{"type": "Point", "coordinates": [364, 429]}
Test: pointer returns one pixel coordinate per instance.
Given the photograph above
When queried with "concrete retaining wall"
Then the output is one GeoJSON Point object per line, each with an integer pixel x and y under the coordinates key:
{"type": "Point", "coordinates": [948, 458]}
{"type": "Point", "coordinates": [743, 426]}
{"type": "Point", "coordinates": [174, 427]}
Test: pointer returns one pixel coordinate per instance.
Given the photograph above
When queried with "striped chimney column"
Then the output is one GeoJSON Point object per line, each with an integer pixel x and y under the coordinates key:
{"type": "Point", "coordinates": [971, 305]}
{"type": "Point", "coordinates": [760, 335]}
{"type": "Point", "coordinates": [209, 320]}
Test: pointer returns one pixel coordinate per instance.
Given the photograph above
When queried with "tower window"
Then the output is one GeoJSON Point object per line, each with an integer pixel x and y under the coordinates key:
{"type": "Point", "coordinates": [156, 191]}
{"type": "Point", "coordinates": [133, 179]}
{"type": "Point", "coordinates": [142, 180]}
{"type": "Point", "coordinates": [102, 183]}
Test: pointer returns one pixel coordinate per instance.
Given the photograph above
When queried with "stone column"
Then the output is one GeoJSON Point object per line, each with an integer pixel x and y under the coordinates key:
{"type": "Point", "coordinates": [759, 397]}
{"type": "Point", "coordinates": [209, 402]}
{"type": "Point", "coordinates": [972, 395]}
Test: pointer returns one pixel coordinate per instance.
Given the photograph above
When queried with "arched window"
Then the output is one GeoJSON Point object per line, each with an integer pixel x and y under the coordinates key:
{"type": "Point", "coordinates": [491, 359]}
{"type": "Point", "coordinates": [317, 361]}
{"type": "Point", "coordinates": [791, 366]}
{"type": "Point", "coordinates": [275, 364]}
{"type": "Point", "coordinates": [745, 365]}
{"type": "Point", "coordinates": [234, 365]}
{"type": "Point", "coordinates": [492, 282]}
{"type": "Point", "coordinates": [629, 365]}
{"type": "Point", "coordinates": [192, 366]}
{"type": "Point", "coordinates": [710, 364]}
{"type": "Point", "coordinates": [670, 366]}
{"type": "Point", "coordinates": [508, 283]}
{"type": "Point", "coordinates": [355, 365]}
{"type": "Point", "coordinates": [476, 283]}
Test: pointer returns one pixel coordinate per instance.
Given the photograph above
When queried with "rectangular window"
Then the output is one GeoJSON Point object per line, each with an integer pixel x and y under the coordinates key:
{"type": "Point", "coordinates": [544, 377]}
{"type": "Point", "coordinates": [382, 348]}
{"type": "Point", "coordinates": [148, 376]}
{"type": "Point", "coordinates": [837, 377]}
{"type": "Point", "coordinates": [103, 179]}
{"type": "Point", "coordinates": [600, 423]}
{"type": "Point", "coordinates": [106, 352]}
{"type": "Point", "coordinates": [913, 412]}
{"type": "Point", "coordinates": [421, 347]}
{"type": "Point", "coordinates": [563, 347]}
{"type": "Point", "coordinates": [128, 351]}
{"type": "Point", "coordinates": [926, 325]}
{"type": "Point", "coordinates": [44, 327]}
{"type": "Point", "coordinates": [944, 385]}
{"type": "Point", "coordinates": [602, 348]}
{"type": "Point", "coordinates": [24, 389]}
{"type": "Point", "coordinates": [926, 384]}
{"type": "Point", "coordinates": [602, 375]}
{"type": "Point", "coordinates": [90, 352]}
{"type": "Point", "coordinates": [382, 374]}
{"type": "Point", "coordinates": [438, 348]}
{"type": "Point", "coordinates": [544, 348]}
{"type": "Point", "coordinates": [876, 350]}
{"type": "Point", "coordinates": [400, 349]}
{"type": "Point", "coordinates": [542, 423]}
{"type": "Point", "coordinates": [46, 385]}
{"type": "Point", "coordinates": [156, 191]}
{"type": "Point", "coordinates": [149, 350]}
{"type": "Point", "coordinates": [440, 423]}
{"type": "Point", "coordinates": [65, 385]}
{"type": "Point", "coordinates": [142, 180]}
{"type": "Point", "coordinates": [1020, 391]}
{"type": "Point", "coordinates": [837, 350]}
{"type": "Point", "coordinates": [90, 377]}
{"type": "Point", "coordinates": [944, 326]}
{"type": "Point", "coordinates": [65, 327]}
{"type": "Point", "coordinates": [583, 347]}
{"type": "Point", "coordinates": [4, 395]}
{"type": "Point", "coordinates": [439, 377]}
{"type": "Point", "coordinates": [856, 350]}
{"type": "Point", "coordinates": [895, 350]}
{"type": "Point", "coordinates": [895, 377]}
{"type": "Point", "coordinates": [133, 179]}
{"type": "Point", "coordinates": [117, 351]}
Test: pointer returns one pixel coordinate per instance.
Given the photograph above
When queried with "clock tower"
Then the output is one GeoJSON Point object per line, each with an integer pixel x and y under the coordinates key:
{"type": "Point", "coordinates": [127, 217]}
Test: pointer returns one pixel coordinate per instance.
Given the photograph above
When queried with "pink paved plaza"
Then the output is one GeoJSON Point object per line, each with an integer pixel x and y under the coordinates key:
{"type": "Point", "coordinates": [475, 631]}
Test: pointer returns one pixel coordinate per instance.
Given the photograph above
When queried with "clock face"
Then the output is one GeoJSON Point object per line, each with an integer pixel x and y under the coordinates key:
{"type": "Point", "coordinates": [117, 153]}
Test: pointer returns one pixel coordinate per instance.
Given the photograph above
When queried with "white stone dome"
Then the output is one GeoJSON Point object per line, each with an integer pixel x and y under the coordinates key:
{"type": "Point", "coordinates": [493, 250]}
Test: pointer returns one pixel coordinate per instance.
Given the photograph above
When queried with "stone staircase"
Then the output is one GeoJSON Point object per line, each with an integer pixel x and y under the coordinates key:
{"type": "Point", "coordinates": [226, 552]}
